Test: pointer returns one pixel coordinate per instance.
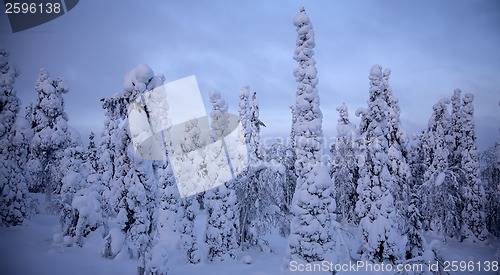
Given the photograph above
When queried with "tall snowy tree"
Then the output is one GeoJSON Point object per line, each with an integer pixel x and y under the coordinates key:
{"type": "Point", "coordinates": [188, 207]}
{"type": "Point", "coordinates": [405, 198]}
{"type": "Point", "coordinates": [92, 158]}
{"type": "Point", "coordinates": [397, 153]}
{"type": "Point", "coordinates": [417, 162]}
{"type": "Point", "coordinates": [381, 239]}
{"type": "Point", "coordinates": [50, 127]}
{"type": "Point", "coordinates": [72, 169]}
{"type": "Point", "coordinates": [108, 155]}
{"type": "Point", "coordinates": [14, 137]}
{"type": "Point", "coordinates": [491, 175]}
{"type": "Point", "coordinates": [311, 228]}
{"type": "Point", "coordinates": [73, 218]}
{"type": "Point", "coordinates": [168, 199]}
{"type": "Point", "coordinates": [441, 200]}
{"type": "Point", "coordinates": [275, 177]}
{"type": "Point", "coordinates": [254, 196]}
{"type": "Point", "coordinates": [473, 214]}
{"type": "Point", "coordinates": [222, 223]}
{"type": "Point", "coordinates": [344, 170]}
{"type": "Point", "coordinates": [133, 195]}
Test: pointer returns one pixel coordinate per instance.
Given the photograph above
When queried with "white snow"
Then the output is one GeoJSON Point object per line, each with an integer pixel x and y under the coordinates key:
{"type": "Point", "coordinates": [440, 179]}
{"type": "Point", "coordinates": [30, 249]}
{"type": "Point", "coordinates": [246, 259]}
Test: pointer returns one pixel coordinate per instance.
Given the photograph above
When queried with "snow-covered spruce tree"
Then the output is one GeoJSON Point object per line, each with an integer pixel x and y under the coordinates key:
{"type": "Point", "coordinates": [344, 170]}
{"type": "Point", "coordinates": [473, 214]}
{"type": "Point", "coordinates": [188, 207]}
{"type": "Point", "coordinates": [72, 169]}
{"type": "Point", "coordinates": [77, 217]}
{"type": "Point", "coordinates": [50, 127]}
{"type": "Point", "coordinates": [169, 199]}
{"type": "Point", "coordinates": [94, 191]}
{"type": "Point", "coordinates": [416, 162]}
{"type": "Point", "coordinates": [107, 151]}
{"type": "Point", "coordinates": [381, 239]}
{"type": "Point", "coordinates": [254, 196]}
{"type": "Point", "coordinates": [441, 200]}
{"type": "Point", "coordinates": [222, 223]}
{"type": "Point", "coordinates": [491, 175]}
{"type": "Point", "coordinates": [311, 228]}
{"type": "Point", "coordinates": [134, 185]}
{"type": "Point", "coordinates": [275, 178]}
{"type": "Point", "coordinates": [14, 136]}
{"type": "Point", "coordinates": [92, 158]}
{"type": "Point", "coordinates": [405, 198]}
{"type": "Point", "coordinates": [222, 226]}
{"type": "Point", "coordinates": [397, 153]}
{"type": "Point", "coordinates": [141, 204]}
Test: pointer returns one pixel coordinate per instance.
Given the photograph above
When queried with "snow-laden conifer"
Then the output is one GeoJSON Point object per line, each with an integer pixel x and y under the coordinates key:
{"type": "Point", "coordinates": [441, 200]}
{"type": "Point", "coordinates": [473, 214]}
{"type": "Point", "coordinates": [51, 138]}
{"type": "Point", "coordinates": [381, 240]}
{"type": "Point", "coordinates": [311, 236]}
{"type": "Point", "coordinates": [15, 136]}
{"type": "Point", "coordinates": [222, 223]}
{"type": "Point", "coordinates": [344, 170]}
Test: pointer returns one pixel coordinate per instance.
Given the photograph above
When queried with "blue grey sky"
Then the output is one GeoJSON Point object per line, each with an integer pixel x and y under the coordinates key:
{"type": "Point", "coordinates": [432, 47]}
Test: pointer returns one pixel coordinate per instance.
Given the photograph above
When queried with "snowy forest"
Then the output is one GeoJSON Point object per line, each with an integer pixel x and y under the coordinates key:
{"type": "Point", "coordinates": [377, 194]}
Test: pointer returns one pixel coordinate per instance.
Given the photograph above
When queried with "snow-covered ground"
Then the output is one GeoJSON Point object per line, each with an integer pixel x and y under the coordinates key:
{"type": "Point", "coordinates": [30, 249]}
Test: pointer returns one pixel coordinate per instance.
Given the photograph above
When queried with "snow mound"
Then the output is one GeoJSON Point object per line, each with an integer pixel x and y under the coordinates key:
{"type": "Point", "coordinates": [68, 240]}
{"type": "Point", "coordinates": [247, 259]}
{"type": "Point", "coordinates": [58, 238]}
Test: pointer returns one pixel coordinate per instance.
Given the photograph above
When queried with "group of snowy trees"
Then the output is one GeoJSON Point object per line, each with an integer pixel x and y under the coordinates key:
{"type": "Point", "coordinates": [394, 191]}
{"type": "Point", "coordinates": [372, 177]}
{"type": "Point", "coordinates": [453, 198]}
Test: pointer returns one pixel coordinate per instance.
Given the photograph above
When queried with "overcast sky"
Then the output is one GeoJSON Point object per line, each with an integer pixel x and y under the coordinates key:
{"type": "Point", "coordinates": [432, 47]}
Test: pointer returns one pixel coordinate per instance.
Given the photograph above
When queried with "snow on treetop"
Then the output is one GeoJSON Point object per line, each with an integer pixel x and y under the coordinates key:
{"type": "Point", "coordinates": [376, 71]}
{"type": "Point", "coordinates": [441, 104]}
{"type": "Point", "coordinates": [468, 97]}
{"type": "Point", "coordinates": [214, 95]}
{"type": "Point", "coordinates": [42, 76]}
{"type": "Point", "coordinates": [62, 86]}
{"type": "Point", "coordinates": [301, 18]}
{"type": "Point", "coordinates": [157, 81]}
{"type": "Point", "coordinates": [342, 109]}
{"type": "Point", "coordinates": [141, 74]}
{"type": "Point", "coordinates": [387, 72]}
{"type": "Point", "coordinates": [244, 91]}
